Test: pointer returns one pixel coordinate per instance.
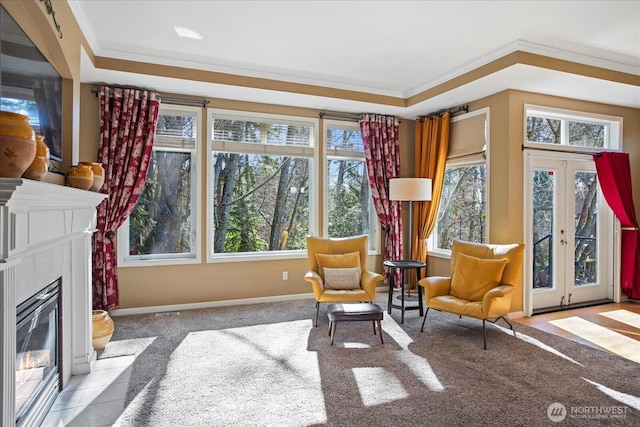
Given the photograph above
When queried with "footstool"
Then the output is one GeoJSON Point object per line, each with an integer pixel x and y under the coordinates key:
{"type": "Point", "coordinates": [354, 312]}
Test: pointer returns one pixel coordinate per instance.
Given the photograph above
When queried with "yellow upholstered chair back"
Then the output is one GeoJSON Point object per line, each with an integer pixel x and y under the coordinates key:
{"type": "Point", "coordinates": [335, 246]}
{"type": "Point", "coordinates": [513, 253]}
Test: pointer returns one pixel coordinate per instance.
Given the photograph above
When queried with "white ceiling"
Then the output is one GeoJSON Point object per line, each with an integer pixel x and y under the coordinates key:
{"type": "Point", "coordinates": [396, 48]}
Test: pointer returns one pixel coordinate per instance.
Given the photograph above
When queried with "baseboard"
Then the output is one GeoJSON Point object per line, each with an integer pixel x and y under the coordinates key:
{"type": "Point", "coordinates": [208, 304]}
{"type": "Point", "coordinates": [516, 315]}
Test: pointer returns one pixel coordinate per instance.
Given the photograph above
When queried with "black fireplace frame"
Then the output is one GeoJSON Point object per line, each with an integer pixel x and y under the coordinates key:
{"type": "Point", "coordinates": [39, 403]}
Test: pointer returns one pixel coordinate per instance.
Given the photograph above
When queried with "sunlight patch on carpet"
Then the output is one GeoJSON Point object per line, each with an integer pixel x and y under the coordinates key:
{"type": "Point", "coordinates": [378, 386]}
{"type": "Point", "coordinates": [537, 343]}
{"type": "Point", "coordinates": [627, 399]}
{"type": "Point", "coordinates": [267, 365]}
{"type": "Point", "coordinates": [623, 316]}
{"type": "Point", "coordinates": [418, 365]}
{"type": "Point", "coordinates": [601, 336]}
{"type": "Point", "coordinates": [131, 347]}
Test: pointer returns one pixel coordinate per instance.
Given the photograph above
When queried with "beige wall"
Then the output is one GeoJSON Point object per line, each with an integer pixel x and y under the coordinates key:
{"type": "Point", "coordinates": [506, 162]}
{"type": "Point", "coordinates": [219, 281]}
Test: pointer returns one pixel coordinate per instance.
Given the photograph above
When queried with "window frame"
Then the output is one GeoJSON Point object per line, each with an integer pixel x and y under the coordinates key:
{"type": "Point", "coordinates": [613, 129]}
{"type": "Point", "coordinates": [476, 159]}
{"type": "Point", "coordinates": [311, 152]}
{"type": "Point", "coordinates": [195, 256]}
{"type": "Point", "coordinates": [338, 154]}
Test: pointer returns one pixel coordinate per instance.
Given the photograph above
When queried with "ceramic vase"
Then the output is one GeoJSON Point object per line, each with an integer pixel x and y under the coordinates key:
{"type": "Point", "coordinates": [102, 329]}
{"type": "Point", "coordinates": [80, 176]}
{"type": "Point", "coordinates": [17, 144]}
{"type": "Point", "coordinates": [40, 165]}
{"type": "Point", "coordinates": [98, 175]}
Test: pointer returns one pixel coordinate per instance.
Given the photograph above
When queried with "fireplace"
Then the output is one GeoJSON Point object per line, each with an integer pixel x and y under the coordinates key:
{"type": "Point", "coordinates": [45, 261]}
{"type": "Point", "coordinates": [38, 354]}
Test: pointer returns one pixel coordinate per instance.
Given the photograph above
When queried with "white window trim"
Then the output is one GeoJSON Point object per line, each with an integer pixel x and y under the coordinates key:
{"type": "Point", "coordinates": [374, 223]}
{"type": "Point", "coordinates": [196, 171]}
{"type": "Point", "coordinates": [432, 250]}
{"type": "Point", "coordinates": [613, 128]}
{"type": "Point", "coordinates": [311, 152]}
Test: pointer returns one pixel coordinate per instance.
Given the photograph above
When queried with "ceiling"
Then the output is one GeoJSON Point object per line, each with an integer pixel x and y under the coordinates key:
{"type": "Point", "coordinates": [393, 48]}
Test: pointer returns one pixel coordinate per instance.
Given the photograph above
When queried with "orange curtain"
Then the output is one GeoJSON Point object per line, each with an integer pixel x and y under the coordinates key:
{"type": "Point", "coordinates": [431, 145]}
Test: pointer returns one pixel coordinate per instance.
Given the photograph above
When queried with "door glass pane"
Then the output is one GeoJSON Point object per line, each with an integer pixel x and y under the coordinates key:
{"type": "Point", "coordinates": [586, 220]}
{"type": "Point", "coordinates": [543, 212]}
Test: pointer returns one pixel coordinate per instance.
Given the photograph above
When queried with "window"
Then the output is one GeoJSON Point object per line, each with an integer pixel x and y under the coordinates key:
{"type": "Point", "coordinates": [462, 213]}
{"type": "Point", "coordinates": [350, 209]}
{"type": "Point", "coordinates": [261, 169]}
{"type": "Point", "coordinates": [163, 225]}
{"type": "Point", "coordinates": [570, 130]}
{"type": "Point", "coordinates": [463, 206]}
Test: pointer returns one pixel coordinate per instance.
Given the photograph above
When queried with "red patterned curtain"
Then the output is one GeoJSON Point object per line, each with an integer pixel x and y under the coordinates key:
{"type": "Point", "coordinates": [382, 153]}
{"type": "Point", "coordinates": [128, 119]}
{"type": "Point", "coordinates": [614, 175]}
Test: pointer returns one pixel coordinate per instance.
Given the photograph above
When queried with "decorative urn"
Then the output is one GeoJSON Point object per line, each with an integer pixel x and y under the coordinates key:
{"type": "Point", "coordinates": [40, 165]}
{"type": "Point", "coordinates": [17, 144]}
{"type": "Point", "coordinates": [102, 329]}
{"type": "Point", "coordinates": [98, 175]}
{"type": "Point", "coordinates": [80, 176]}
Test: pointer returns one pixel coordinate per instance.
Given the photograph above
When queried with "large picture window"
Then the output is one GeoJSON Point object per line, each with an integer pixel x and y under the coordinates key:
{"type": "Point", "coordinates": [163, 225]}
{"type": "Point", "coordinates": [349, 204]}
{"type": "Point", "coordinates": [261, 168]}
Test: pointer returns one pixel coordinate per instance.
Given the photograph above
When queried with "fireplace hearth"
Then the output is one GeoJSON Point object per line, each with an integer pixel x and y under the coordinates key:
{"type": "Point", "coordinates": [38, 354]}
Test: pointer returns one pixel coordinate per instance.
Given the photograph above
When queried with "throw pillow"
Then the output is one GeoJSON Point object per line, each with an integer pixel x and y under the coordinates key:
{"type": "Point", "coordinates": [342, 278]}
{"type": "Point", "coordinates": [474, 277]}
{"type": "Point", "coordinates": [348, 260]}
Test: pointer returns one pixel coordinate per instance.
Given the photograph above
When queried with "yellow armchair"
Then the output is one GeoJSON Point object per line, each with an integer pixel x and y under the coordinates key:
{"type": "Point", "coordinates": [338, 270]}
{"type": "Point", "coordinates": [481, 284]}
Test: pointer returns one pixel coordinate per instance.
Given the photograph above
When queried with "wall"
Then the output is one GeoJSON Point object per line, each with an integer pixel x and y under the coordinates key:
{"type": "Point", "coordinates": [506, 198]}
{"type": "Point", "coordinates": [166, 285]}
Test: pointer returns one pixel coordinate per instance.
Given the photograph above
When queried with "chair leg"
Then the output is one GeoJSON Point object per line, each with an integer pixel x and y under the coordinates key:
{"type": "Point", "coordinates": [374, 327]}
{"type": "Point", "coordinates": [510, 325]}
{"type": "Point", "coordinates": [317, 311]}
{"type": "Point", "coordinates": [424, 320]}
{"type": "Point", "coordinates": [484, 334]}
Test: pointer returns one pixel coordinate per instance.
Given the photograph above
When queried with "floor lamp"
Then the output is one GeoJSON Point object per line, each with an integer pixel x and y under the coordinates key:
{"type": "Point", "coordinates": [410, 189]}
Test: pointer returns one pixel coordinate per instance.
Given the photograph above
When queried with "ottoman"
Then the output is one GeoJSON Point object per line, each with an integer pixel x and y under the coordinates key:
{"type": "Point", "coordinates": [354, 312]}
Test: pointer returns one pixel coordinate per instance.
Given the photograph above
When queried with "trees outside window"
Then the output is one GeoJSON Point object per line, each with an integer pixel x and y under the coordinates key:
{"type": "Point", "coordinates": [569, 130]}
{"type": "Point", "coordinates": [462, 214]}
{"type": "Point", "coordinates": [260, 172]}
{"type": "Point", "coordinates": [349, 205]}
{"type": "Point", "coordinates": [163, 224]}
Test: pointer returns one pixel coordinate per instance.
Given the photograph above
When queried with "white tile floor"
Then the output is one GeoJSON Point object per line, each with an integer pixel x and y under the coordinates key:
{"type": "Point", "coordinates": [95, 399]}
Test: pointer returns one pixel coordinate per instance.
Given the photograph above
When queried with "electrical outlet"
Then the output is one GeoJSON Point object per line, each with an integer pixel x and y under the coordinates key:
{"type": "Point", "coordinates": [285, 275]}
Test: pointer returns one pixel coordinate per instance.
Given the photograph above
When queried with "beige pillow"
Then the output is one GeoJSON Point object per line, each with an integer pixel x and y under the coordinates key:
{"type": "Point", "coordinates": [348, 260]}
{"type": "Point", "coordinates": [474, 277]}
{"type": "Point", "coordinates": [342, 278]}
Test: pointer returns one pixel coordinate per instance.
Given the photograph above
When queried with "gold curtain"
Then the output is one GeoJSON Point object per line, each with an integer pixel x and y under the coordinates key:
{"type": "Point", "coordinates": [431, 148]}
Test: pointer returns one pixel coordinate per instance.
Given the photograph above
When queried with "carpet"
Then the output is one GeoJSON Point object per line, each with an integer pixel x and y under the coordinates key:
{"type": "Point", "coordinates": [266, 365]}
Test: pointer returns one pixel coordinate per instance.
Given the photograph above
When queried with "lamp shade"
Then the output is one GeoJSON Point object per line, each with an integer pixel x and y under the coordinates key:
{"type": "Point", "coordinates": [412, 189]}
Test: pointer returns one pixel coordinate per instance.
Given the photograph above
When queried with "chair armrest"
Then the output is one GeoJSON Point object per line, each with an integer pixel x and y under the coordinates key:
{"type": "Point", "coordinates": [435, 286]}
{"type": "Point", "coordinates": [369, 281]}
{"type": "Point", "coordinates": [317, 284]}
{"type": "Point", "coordinates": [497, 302]}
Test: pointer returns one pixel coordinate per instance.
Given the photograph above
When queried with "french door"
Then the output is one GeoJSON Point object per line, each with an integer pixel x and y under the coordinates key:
{"type": "Point", "coordinates": [570, 242]}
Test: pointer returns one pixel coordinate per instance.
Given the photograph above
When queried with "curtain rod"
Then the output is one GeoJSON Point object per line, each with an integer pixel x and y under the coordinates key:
{"type": "Point", "coordinates": [202, 102]}
{"type": "Point", "coordinates": [322, 115]}
{"type": "Point", "coordinates": [453, 110]}
{"type": "Point", "coordinates": [586, 153]}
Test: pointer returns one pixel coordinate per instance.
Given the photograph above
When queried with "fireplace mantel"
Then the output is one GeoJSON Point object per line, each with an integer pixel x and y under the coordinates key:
{"type": "Point", "coordinates": [45, 234]}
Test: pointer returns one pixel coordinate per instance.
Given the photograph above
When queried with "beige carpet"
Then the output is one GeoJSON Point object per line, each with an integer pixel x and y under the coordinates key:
{"type": "Point", "coordinates": [266, 365]}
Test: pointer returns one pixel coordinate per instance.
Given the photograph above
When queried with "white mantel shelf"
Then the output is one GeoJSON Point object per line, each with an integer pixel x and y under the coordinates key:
{"type": "Point", "coordinates": [35, 215]}
{"type": "Point", "coordinates": [45, 234]}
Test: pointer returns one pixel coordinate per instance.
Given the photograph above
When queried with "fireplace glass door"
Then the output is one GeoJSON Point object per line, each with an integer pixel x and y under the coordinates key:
{"type": "Point", "coordinates": [37, 352]}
